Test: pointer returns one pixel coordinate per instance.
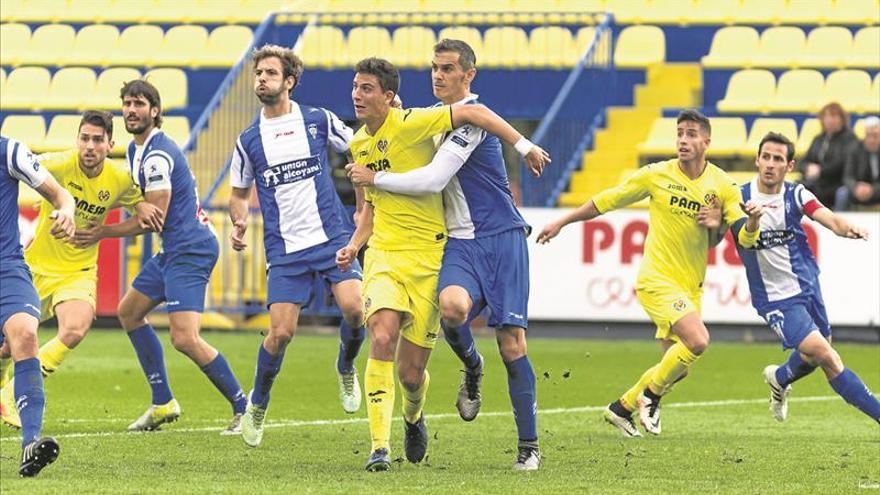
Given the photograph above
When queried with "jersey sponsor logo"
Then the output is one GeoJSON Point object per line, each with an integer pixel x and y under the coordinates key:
{"type": "Point", "coordinates": [379, 165]}
{"type": "Point", "coordinates": [154, 178]}
{"type": "Point", "coordinates": [74, 185]}
{"type": "Point", "coordinates": [406, 115]}
{"type": "Point", "coordinates": [682, 202]}
{"type": "Point", "coordinates": [292, 171]}
{"type": "Point", "coordinates": [382, 145]}
{"type": "Point", "coordinates": [459, 141]}
{"type": "Point", "coordinates": [676, 187]}
{"type": "Point", "coordinates": [104, 195]}
{"type": "Point", "coordinates": [285, 133]}
{"type": "Point", "coordinates": [313, 130]}
{"type": "Point", "coordinates": [87, 207]}
{"type": "Point", "coordinates": [773, 238]}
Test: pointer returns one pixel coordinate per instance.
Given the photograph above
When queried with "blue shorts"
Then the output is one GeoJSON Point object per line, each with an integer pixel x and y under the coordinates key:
{"type": "Point", "coordinates": [294, 282]}
{"type": "Point", "coordinates": [179, 278]}
{"type": "Point", "coordinates": [494, 270]}
{"type": "Point", "coordinates": [17, 293]}
{"type": "Point", "coordinates": [794, 320]}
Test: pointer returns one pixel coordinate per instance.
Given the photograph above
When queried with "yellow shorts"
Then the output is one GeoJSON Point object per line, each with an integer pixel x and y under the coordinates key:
{"type": "Point", "coordinates": [55, 289]}
{"type": "Point", "coordinates": [405, 281]}
{"type": "Point", "coordinates": [666, 305]}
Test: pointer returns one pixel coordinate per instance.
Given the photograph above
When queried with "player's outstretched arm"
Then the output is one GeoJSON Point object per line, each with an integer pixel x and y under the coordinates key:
{"type": "Point", "coordinates": [160, 198]}
{"type": "Point", "coordinates": [431, 178]}
{"type": "Point", "coordinates": [346, 256]}
{"type": "Point", "coordinates": [63, 227]}
{"type": "Point", "coordinates": [238, 213]}
{"type": "Point", "coordinates": [839, 225]}
{"type": "Point", "coordinates": [587, 211]}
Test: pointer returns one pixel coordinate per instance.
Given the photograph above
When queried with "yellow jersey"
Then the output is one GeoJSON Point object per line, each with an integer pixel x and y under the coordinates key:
{"type": "Point", "coordinates": [403, 143]}
{"type": "Point", "coordinates": [677, 246]}
{"type": "Point", "coordinates": [94, 198]}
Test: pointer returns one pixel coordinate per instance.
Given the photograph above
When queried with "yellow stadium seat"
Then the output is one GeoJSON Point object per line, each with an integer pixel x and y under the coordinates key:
{"type": "Point", "coordinates": [50, 44]}
{"type": "Point", "coordinates": [749, 90]}
{"type": "Point", "coordinates": [2, 79]}
{"type": "Point", "coordinates": [24, 87]}
{"type": "Point", "coordinates": [469, 35]}
{"type": "Point", "coordinates": [177, 128]}
{"type": "Point", "coordinates": [667, 12]}
{"type": "Point", "coordinates": [781, 46]}
{"type": "Point", "coordinates": [827, 46]}
{"type": "Point", "coordinates": [249, 11]}
{"type": "Point", "coordinates": [505, 47]}
{"type": "Point", "coordinates": [321, 46]}
{"type": "Point", "coordinates": [226, 45]}
{"type": "Point", "coordinates": [181, 46]}
{"type": "Point", "coordinates": [854, 12]}
{"type": "Point", "coordinates": [759, 12]}
{"type": "Point", "coordinates": [14, 41]}
{"type": "Point", "coordinates": [714, 11]}
{"type": "Point", "coordinates": [93, 43]}
{"type": "Point", "coordinates": [874, 102]}
{"type": "Point", "coordinates": [850, 88]}
{"type": "Point", "coordinates": [639, 47]}
{"type": "Point", "coordinates": [129, 12]}
{"type": "Point", "coordinates": [553, 47]}
{"type": "Point", "coordinates": [413, 46]}
{"type": "Point", "coordinates": [86, 11]}
{"type": "Point", "coordinates": [10, 10]}
{"type": "Point", "coordinates": [809, 130]}
{"type": "Point", "coordinates": [69, 90]}
{"type": "Point", "coordinates": [121, 137]}
{"type": "Point", "coordinates": [798, 91]}
{"type": "Point", "coordinates": [37, 11]}
{"type": "Point", "coordinates": [760, 128]}
{"type": "Point", "coordinates": [108, 87]}
{"type": "Point", "coordinates": [172, 86]}
{"type": "Point", "coordinates": [866, 48]}
{"type": "Point", "coordinates": [627, 11]}
{"type": "Point", "coordinates": [29, 129]}
{"type": "Point", "coordinates": [661, 138]}
{"type": "Point", "coordinates": [363, 42]}
{"type": "Point", "coordinates": [62, 133]}
{"type": "Point", "coordinates": [136, 46]}
{"type": "Point", "coordinates": [728, 136]}
{"type": "Point", "coordinates": [807, 11]}
{"type": "Point", "coordinates": [732, 46]}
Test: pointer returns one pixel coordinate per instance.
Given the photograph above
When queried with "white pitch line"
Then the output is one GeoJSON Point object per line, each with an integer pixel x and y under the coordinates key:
{"type": "Point", "coordinates": [285, 423]}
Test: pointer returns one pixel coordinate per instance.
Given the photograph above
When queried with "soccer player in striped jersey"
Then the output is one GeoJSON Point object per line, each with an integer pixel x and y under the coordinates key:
{"type": "Point", "coordinates": [19, 303]}
{"type": "Point", "coordinates": [784, 280]}
{"type": "Point", "coordinates": [284, 152]}
{"type": "Point", "coordinates": [485, 262]}
{"type": "Point", "coordinates": [670, 281]}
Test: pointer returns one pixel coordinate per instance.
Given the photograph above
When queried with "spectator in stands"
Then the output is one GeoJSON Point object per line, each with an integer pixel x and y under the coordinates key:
{"type": "Point", "coordinates": [823, 165]}
{"type": "Point", "coordinates": [861, 175]}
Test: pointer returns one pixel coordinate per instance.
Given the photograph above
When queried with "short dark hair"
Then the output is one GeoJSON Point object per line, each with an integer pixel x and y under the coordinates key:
{"type": "Point", "coordinates": [291, 64]}
{"type": "Point", "coordinates": [98, 118]}
{"type": "Point", "coordinates": [142, 87]}
{"type": "Point", "coordinates": [466, 57]}
{"type": "Point", "coordinates": [775, 137]}
{"type": "Point", "coordinates": [385, 72]}
{"type": "Point", "coordinates": [693, 115]}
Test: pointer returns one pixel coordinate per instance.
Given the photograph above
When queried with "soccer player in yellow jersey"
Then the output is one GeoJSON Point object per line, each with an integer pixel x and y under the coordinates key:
{"type": "Point", "coordinates": [407, 234]}
{"type": "Point", "coordinates": [65, 276]}
{"type": "Point", "coordinates": [683, 192]}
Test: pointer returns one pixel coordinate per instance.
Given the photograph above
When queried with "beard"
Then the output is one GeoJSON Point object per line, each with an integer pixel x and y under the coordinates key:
{"type": "Point", "coordinates": [137, 128]}
{"type": "Point", "coordinates": [270, 99]}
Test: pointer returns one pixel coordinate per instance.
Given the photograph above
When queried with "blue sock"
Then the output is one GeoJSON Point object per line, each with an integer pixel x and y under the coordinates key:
{"type": "Point", "coordinates": [853, 390]}
{"type": "Point", "coordinates": [462, 343]}
{"type": "Point", "coordinates": [349, 346]}
{"type": "Point", "coordinates": [523, 397]}
{"type": "Point", "coordinates": [29, 398]}
{"type": "Point", "coordinates": [149, 352]}
{"type": "Point", "coordinates": [268, 367]}
{"type": "Point", "coordinates": [793, 370]}
{"type": "Point", "coordinates": [223, 378]}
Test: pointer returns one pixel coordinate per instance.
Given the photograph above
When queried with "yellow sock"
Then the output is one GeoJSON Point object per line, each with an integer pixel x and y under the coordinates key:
{"type": "Point", "coordinates": [51, 355]}
{"type": "Point", "coordinates": [413, 401]}
{"type": "Point", "coordinates": [628, 399]}
{"type": "Point", "coordinates": [674, 364]}
{"type": "Point", "coordinates": [5, 373]}
{"type": "Point", "coordinates": [379, 386]}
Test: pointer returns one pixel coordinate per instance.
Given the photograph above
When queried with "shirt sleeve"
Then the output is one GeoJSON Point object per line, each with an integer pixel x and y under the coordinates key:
{"type": "Point", "coordinates": [431, 178]}
{"type": "Point", "coordinates": [131, 195]}
{"type": "Point", "coordinates": [56, 161]}
{"type": "Point", "coordinates": [463, 141]}
{"type": "Point", "coordinates": [157, 173]}
{"type": "Point", "coordinates": [806, 201]}
{"type": "Point", "coordinates": [241, 172]}
{"type": "Point", "coordinates": [23, 164]}
{"type": "Point", "coordinates": [420, 124]}
{"type": "Point", "coordinates": [338, 133]}
{"type": "Point", "coordinates": [636, 187]}
{"type": "Point", "coordinates": [731, 197]}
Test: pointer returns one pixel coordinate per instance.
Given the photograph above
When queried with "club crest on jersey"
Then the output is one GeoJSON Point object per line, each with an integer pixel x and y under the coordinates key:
{"type": "Point", "coordinates": [313, 130]}
{"type": "Point", "coordinates": [104, 195]}
{"type": "Point", "coordinates": [711, 198]}
{"type": "Point", "coordinates": [382, 145]}
{"type": "Point", "coordinates": [679, 305]}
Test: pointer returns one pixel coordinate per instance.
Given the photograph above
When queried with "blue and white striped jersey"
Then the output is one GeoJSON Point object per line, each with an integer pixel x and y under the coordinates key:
{"type": "Point", "coordinates": [17, 163]}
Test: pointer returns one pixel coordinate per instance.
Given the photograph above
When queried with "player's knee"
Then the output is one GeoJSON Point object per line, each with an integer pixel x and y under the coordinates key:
{"type": "Point", "coordinates": [183, 342]}
{"type": "Point", "coordinates": [73, 333]}
{"type": "Point", "coordinates": [698, 343]}
{"type": "Point", "coordinates": [828, 359]}
{"type": "Point", "coordinates": [411, 377]}
{"type": "Point", "coordinates": [354, 315]}
{"type": "Point", "coordinates": [23, 341]}
{"type": "Point", "coordinates": [453, 312]}
{"type": "Point", "coordinates": [511, 343]}
{"type": "Point", "coordinates": [381, 342]}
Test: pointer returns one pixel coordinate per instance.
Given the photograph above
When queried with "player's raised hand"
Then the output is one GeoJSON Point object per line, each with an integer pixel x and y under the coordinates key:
{"type": "Point", "coordinates": [239, 227]}
{"type": "Point", "coordinates": [856, 232]}
{"type": "Point", "coordinates": [709, 217]}
{"type": "Point", "coordinates": [345, 257]}
{"type": "Point", "coordinates": [150, 216]}
{"type": "Point", "coordinates": [360, 175]}
{"type": "Point", "coordinates": [85, 237]}
{"type": "Point", "coordinates": [549, 231]}
{"type": "Point", "coordinates": [63, 227]}
{"type": "Point", "coordinates": [536, 159]}
{"type": "Point", "coordinates": [752, 209]}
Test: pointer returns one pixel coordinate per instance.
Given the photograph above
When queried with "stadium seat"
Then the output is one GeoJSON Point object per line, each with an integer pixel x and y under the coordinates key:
{"type": "Point", "coordinates": [749, 90]}
{"type": "Point", "coordinates": [363, 42]}
{"type": "Point", "coordinates": [121, 137]}
{"type": "Point", "coordinates": [639, 47]}
{"type": "Point", "coordinates": [2, 79]}
{"type": "Point", "coordinates": [226, 45]}
{"type": "Point", "coordinates": [827, 46]}
{"type": "Point", "coordinates": [129, 12]}
{"type": "Point", "coordinates": [760, 128]}
{"type": "Point", "coordinates": [413, 46]}
{"type": "Point", "coordinates": [866, 48]}
{"type": "Point", "coordinates": [29, 129]}
{"type": "Point", "coordinates": [62, 133]}
{"type": "Point", "coordinates": [38, 11]}
{"type": "Point", "coordinates": [69, 90]}
{"type": "Point", "coordinates": [798, 91]}
{"type": "Point", "coordinates": [809, 130]}
{"type": "Point", "coordinates": [24, 87]}
{"type": "Point", "coordinates": [714, 12]}
{"type": "Point", "coordinates": [728, 136]}
{"type": "Point", "coordinates": [874, 102]}
{"type": "Point", "coordinates": [108, 86]}
{"type": "Point", "coordinates": [14, 41]}
{"type": "Point", "coordinates": [181, 46]}
{"type": "Point", "coordinates": [177, 128]}
{"type": "Point", "coordinates": [553, 47]}
{"type": "Point", "coordinates": [850, 88]}
{"type": "Point", "coordinates": [505, 47]}
{"type": "Point", "coordinates": [854, 12]}
{"type": "Point", "coordinates": [50, 44]}
{"type": "Point", "coordinates": [92, 44]}
{"type": "Point", "coordinates": [732, 47]}
{"type": "Point", "coordinates": [137, 44]}
{"type": "Point", "coordinates": [661, 138]}
{"type": "Point", "coordinates": [807, 11]}
{"type": "Point", "coordinates": [469, 35]}
{"type": "Point", "coordinates": [87, 11]}
{"type": "Point", "coordinates": [781, 47]}
{"type": "Point", "coordinates": [172, 86]}
{"type": "Point", "coordinates": [759, 12]}
{"type": "Point", "coordinates": [321, 46]}
{"type": "Point", "coordinates": [665, 11]}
